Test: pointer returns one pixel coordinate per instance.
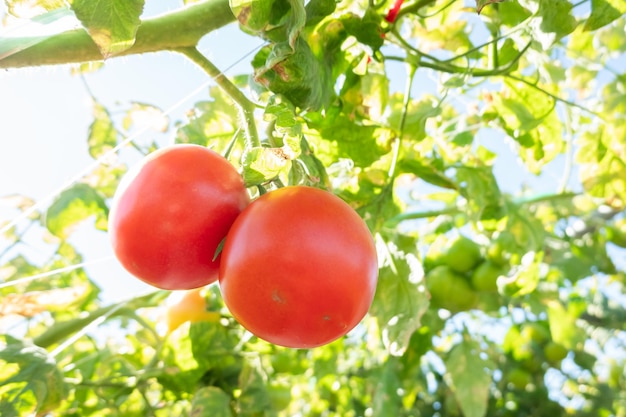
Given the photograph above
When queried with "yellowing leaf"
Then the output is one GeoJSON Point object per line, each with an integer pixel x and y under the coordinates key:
{"type": "Point", "coordinates": [34, 302]}
{"type": "Point", "coordinates": [112, 24]}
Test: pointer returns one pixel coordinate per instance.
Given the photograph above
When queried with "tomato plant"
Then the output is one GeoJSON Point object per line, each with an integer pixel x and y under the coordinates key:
{"type": "Point", "coordinates": [503, 123]}
{"type": "Point", "coordinates": [299, 267]}
{"type": "Point", "coordinates": [171, 212]}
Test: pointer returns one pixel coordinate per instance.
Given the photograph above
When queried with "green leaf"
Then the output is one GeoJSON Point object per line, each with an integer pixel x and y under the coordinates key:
{"type": "Point", "coordinates": [211, 123]}
{"type": "Point", "coordinates": [470, 377]}
{"type": "Point", "coordinates": [210, 401]}
{"type": "Point", "coordinates": [604, 12]}
{"type": "Point", "coordinates": [287, 126]}
{"type": "Point", "coordinates": [254, 15]}
{"type": "Point", "coordinates": [603, 170]}
{"type": "Point", "coordinates": [27, 370]}
{"type": "Point", "coordinates": [26, 8]}
{"type": "Point", "coordinates": [564, 328]}
{"type": "Point", "coordinates": [479, 187]}
{"type": "Point", "coordinates": [401, 298]}
{"type": "Point", "coordinates": [365, 96]}
{"type": "Point", "coordinates": [254, 398]}
{"type": "Point", "coordinates": [343, 138]}
{"type": "Point", "coordinates": [553, 21]}
{"type": "Point", "coordinates": [142, 115]}
{"type": "Point", "coordinates": [263, 164]}
{"type": "Point", "coordinates": [386, 401]}
{"type": "Point", "coordinates": [279, 21]}
{"type": "Point", "coordinates": [72, 206]}
{"type": "Point", "coordinates": [111, 24]}
{"type": "Point", "coordinates": [102, 133]}
{"type": "Point", "coordinates": [417, 113]}
{"type": "Point", "coordinates": [427, 171]}
{"type": "Point", "coordinates": [480, 4]}
{"type": "Point", "coordinates": [529, 116]}
{"type": "Point", "coordinates": [316, 10]}
{"type": "Point", "coordinates": [294, 72]}
{"type": "Point", "coordinates": [366, 29]}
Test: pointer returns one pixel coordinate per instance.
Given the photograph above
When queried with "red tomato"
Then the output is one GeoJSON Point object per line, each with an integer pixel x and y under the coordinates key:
{"type": "Point", "coordinates": [171, 212]}
{"type": "Point", "coordinates": [299, 267]}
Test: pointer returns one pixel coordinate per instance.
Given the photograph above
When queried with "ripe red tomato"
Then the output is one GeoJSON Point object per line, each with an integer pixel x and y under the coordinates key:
{"type": "Point", "coordinates": [171, 212]}
{"type": "Point", "coordinates": [299, 267]}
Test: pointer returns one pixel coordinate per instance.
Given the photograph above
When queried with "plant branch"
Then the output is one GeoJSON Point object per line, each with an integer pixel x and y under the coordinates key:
{"type": "Point", "coordinates": [246, 106]}
{"type": "Point", "coordinates": [174, 30]}
{"type": "Point", "coordinates": [413, 7]}
{"type": "Point", "coordinates": [422, 215]}
{"type": "Point", "coordinates": [455, 69]}
{"type": "Point", "coordinates": [553, 96]}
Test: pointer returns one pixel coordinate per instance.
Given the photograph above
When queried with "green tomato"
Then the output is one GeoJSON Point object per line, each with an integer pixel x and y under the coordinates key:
{"type": "Point", "coordinates": [535, 332]}
{"type": "Point", "coordinates": [435, 255]}
{"type": "Point", "coordinates": [519, 378]}
{"type": "Point", "coordinates": [450, 290]}
{"type": "Point", "coordinates": [554, 352]}
{"type": "Point", "coordinates": [485, 276]}
{"type": "Point", "coordinates": [489, 302]}
{"type": "Point", "coordinates": [462, 254]}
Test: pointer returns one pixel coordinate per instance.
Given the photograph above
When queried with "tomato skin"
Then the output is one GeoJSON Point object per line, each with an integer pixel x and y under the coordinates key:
{"type": "Point", "coordinates": [171, 211]}
{"type": "Point", "coordinates": [299, 267]}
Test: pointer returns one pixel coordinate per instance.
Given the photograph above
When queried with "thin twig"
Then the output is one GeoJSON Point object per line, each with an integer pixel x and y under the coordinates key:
{"type": "Point", "coordinates": [553, 96]}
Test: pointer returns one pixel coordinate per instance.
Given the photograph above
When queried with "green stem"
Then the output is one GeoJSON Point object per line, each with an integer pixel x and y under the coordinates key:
{"type": "Point", "coordinates": [542, 198]}
{"type": "Point", "coordinates": [62, 330]}
{"type": "Point", "coordinates": [245, 106]}
{"type": "Point", "coordinates": [413, 8]}
{"type": "Point", "coordinates": [454, 69]}
{"type": "Point", "coordinates": [422, 215]}
{"type": "Point", "coordinates": [545, 198]}
{"type": "Point", "coordinates": [170, 31]}
{"type": "Point", "coordinates": [569, 152]}
{"type": "Point", "coordinates": [405, 108]}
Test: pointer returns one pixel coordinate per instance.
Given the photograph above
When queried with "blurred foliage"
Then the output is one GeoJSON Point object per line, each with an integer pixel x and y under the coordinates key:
{"type": "Point", "coordinates": [524, 317]}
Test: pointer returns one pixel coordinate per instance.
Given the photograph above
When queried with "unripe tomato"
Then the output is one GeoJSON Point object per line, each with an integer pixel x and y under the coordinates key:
{"type": "Point", "coordinates": [299, 267]}
{"type": "Point", "coordinates": [536, 332]}
{"type": "Point", "coordinates": [450, 290]}
{"type": "Point", "coordinates": [485, 276]}
{"type": "Point", "coordinates": [462, 254]}
{"type": "Point", "coordinates": [170, 213]}
{"type": "Point", "coordinates": [519, 378]}
{"type": "Point", "coordinates": [555, 353]}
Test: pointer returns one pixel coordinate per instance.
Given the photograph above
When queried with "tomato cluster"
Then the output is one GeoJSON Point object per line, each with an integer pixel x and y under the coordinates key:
{"type": "Point", "coordinates": [460, 278]}
{"type": "Point", "coordinates": [298, 267]}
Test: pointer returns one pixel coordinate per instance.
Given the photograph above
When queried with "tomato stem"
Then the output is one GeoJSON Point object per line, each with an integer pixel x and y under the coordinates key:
{"type": "Point", "coordinates": [246, 107]}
